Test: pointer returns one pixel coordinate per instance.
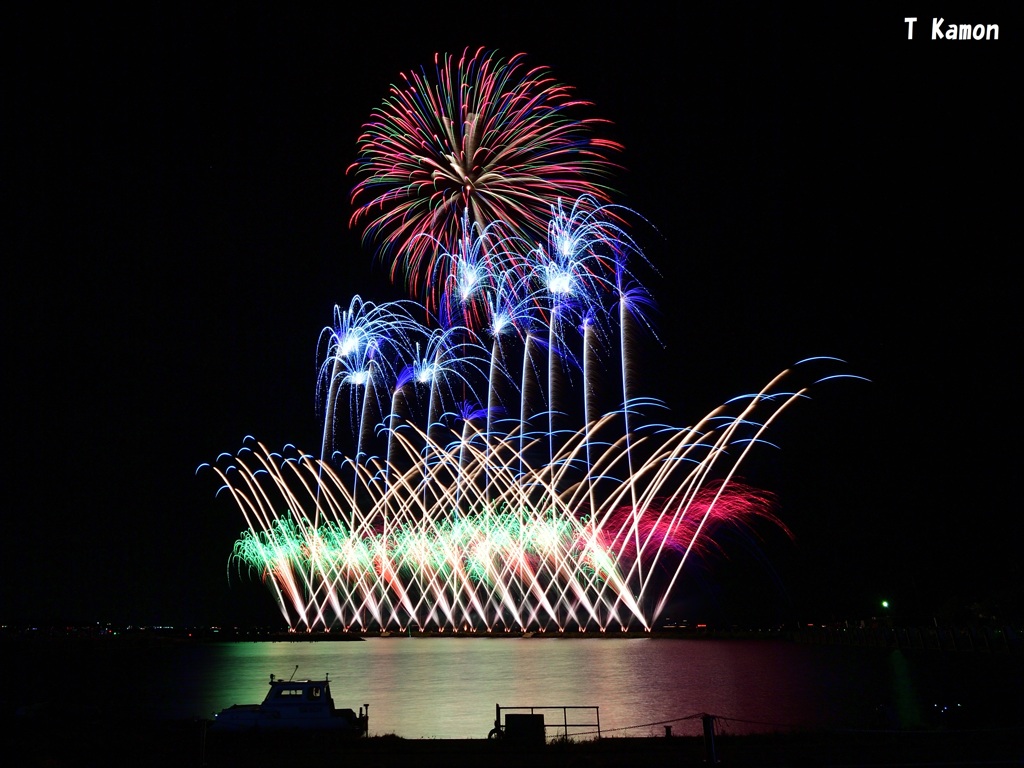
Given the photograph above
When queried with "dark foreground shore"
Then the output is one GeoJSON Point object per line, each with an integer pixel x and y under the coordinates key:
{"type": "Point", "coordinates": [84, 742]}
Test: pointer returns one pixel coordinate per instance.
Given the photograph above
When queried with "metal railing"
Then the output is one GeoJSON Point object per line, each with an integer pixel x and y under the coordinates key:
{"type": "Point", "coordinates": [593, 725]}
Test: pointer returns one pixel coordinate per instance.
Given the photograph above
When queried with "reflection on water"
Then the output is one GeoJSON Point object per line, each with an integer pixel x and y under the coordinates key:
{"type": "Point", "coordinates": [448, 687]}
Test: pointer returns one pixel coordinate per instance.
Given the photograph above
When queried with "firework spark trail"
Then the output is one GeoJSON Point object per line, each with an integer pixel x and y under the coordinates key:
{"type": "Point", "coordinates": [480, 492]}
{"type": "Point", "coordinates": [359, 348]}
{"type": "Point", "coordinates": [482, 512]}
{"type": "Point", "coordinates": [482, 135]}
{"type": "Point", "coordinates": [488, 555]}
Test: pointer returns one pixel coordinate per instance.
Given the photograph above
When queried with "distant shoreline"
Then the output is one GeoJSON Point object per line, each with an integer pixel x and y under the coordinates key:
{"type": "Point", "coordinates": [1008, 640]}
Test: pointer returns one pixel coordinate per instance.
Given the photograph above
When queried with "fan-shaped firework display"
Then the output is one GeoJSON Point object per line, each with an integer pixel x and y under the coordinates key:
{"type": "Point", "coordinates": [468, 498]}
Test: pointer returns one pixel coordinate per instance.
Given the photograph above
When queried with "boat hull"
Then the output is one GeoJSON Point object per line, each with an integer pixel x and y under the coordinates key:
{"type": "Point", "coordinates": [251, 717]}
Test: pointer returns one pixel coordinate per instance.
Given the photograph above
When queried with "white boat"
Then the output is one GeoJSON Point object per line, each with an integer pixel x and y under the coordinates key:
{"type": "Point", "coordinates": [298, 705]}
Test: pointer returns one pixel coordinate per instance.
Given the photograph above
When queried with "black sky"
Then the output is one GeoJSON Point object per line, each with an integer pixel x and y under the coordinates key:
{"type": "Point", "coordinates": [178, 208]}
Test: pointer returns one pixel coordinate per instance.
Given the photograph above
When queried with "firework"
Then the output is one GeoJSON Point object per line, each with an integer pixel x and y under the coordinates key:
{"type": "Point", "coordinates": [481, 134]}
{"type": "Point", "coordinates": [470, 499]}
{"type": "Point", "coordinates": [450, 532]}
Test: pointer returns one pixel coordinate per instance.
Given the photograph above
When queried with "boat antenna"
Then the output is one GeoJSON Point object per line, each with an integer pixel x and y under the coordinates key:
{"type": "Point", "coordinates": [293, 672]}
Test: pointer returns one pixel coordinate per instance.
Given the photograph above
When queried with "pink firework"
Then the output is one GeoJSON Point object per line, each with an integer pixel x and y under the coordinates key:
{"type": "Point", "coordinates": [685, 528]}
{"type": "Point", "coordinates": [481, 134]}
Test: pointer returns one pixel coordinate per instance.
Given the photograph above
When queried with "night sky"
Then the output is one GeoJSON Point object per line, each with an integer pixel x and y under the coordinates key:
{"type": "Point", "coordinates": [177, 236]}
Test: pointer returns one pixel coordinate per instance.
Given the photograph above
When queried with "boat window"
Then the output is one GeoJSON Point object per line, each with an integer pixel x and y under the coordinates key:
{"type": "Point", "coordinates": [290, 692]}
{"type": "Point", "coordinates": [316, 691]}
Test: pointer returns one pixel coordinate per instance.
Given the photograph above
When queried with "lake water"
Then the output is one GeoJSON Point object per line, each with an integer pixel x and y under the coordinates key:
{"type": "Point", "coordinates": [448, 687]}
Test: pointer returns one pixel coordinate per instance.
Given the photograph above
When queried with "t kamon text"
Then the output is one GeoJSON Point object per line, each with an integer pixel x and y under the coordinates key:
{"type": "Point", "coordinates": [955, 31]}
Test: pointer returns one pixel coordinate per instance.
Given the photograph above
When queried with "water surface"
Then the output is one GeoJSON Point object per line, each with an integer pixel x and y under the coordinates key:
{"type": "Point", "coordinates": [448, 687]}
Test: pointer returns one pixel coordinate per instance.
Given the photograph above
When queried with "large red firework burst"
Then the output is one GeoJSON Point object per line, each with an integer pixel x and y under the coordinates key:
{"type": "Point", "coordinates": [485, 135]}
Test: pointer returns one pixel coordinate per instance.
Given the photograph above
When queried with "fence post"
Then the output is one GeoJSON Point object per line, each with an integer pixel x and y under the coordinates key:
{"type": "Point", "coordinates": [709, 739]}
